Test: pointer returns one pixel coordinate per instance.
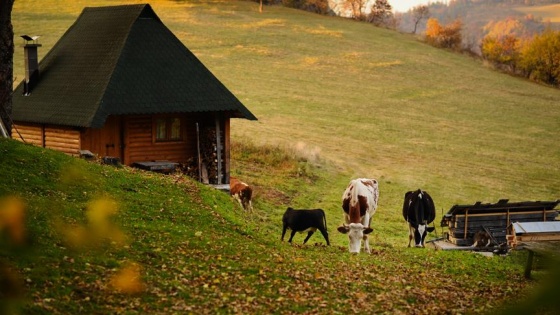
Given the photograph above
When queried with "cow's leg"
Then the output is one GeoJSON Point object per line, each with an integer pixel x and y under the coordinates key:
{"type": "Point", "coordinates": [284, 228]}
{"type": "Point", "coordinates": [236, 196]}
{"type": "Point", "coordinates": [410, 234]}
{"type": "Point", "coordinates": [366, 221]}
{"type": "Point", "coordinates": [292, 235]}
{"type": "Point", "coordinates": [366, 244]}
{"type": "Point", "coordinates": [325, 235]}
{"type": "Point", "coordinates": [308, 236]}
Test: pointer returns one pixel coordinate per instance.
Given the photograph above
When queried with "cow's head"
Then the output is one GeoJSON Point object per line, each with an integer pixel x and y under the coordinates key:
{"type": "Point", "coordinates": [356, 232]}
{"type": "Point", "coordinates": [420, 232]}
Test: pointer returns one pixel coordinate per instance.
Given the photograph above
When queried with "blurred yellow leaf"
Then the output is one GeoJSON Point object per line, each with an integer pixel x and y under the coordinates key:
{"type": "Point", "coordinates": [75, 236]}
{"type": "Point", "coordinates": [127, 280]}
{"type": "Point", "coordinates": [12, 218]}
{"type": "Point", "coordinates": [100, 211]}
{"type": "Point", "coordinates": [117, 237]}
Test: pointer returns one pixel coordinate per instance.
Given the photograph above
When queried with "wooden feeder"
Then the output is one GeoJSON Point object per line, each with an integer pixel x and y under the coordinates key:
{"type": "Point", "coordinates": [464, 221]}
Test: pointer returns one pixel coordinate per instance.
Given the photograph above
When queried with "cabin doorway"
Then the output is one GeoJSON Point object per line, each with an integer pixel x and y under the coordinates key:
{"type": "Point", "coordinates": [106, 141]}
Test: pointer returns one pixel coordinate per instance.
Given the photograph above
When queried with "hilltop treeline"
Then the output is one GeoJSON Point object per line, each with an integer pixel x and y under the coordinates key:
{"type": "Point", "coordinates": [509, 40]}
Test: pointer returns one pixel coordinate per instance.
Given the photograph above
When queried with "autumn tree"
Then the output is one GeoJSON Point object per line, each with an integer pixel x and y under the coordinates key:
{"type": "Point", "coordinates": [356, 8]}
{"type": "Point", "coordinates": [444, 36]}
{"type": "Point", "coordinates": [418, 14]}
{"type": "Point", "coordinates": [6, 61]}
{"type": "Point", "coordinates": [503, 51]}
{"type": "Point", "coordinates": [540, 58]}
{"type": "Point", "coordinates": [381, 13]}
{"type": "Point", "coordinates": [433, 29]}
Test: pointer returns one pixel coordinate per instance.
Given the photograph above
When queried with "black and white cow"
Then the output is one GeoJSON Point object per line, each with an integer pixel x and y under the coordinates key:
{"type": "Point", "coordinates": [304, 220]}
{"type": "Point", "coordinates": [419, 211]}
{"type": "Point", "coordinates": [359, 202]}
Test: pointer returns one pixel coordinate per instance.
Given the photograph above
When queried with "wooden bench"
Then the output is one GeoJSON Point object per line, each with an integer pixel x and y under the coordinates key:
{"type": "Point", "coordinates": [157, 166]}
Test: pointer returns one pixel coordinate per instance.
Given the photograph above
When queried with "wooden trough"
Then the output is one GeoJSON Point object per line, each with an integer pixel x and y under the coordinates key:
{"type": "Point", "coordinates": [524, 232]}
{"type": "Point", "coordinates": [464, 221]}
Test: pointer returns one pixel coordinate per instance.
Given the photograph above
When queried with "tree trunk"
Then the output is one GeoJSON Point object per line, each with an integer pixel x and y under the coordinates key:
{"type": "Point", "coordinates": [415, 26]}
{"type": "Point", "coordinates": [6, 62]}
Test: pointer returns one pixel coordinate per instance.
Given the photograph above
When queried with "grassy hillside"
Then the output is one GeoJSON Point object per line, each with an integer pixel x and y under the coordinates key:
{"type": "Point", "coordinates": [335, 99]}
{"type": "Point", "coordinates": [374, 102]}
{"type": "Point", "coordinates": [100, 239]}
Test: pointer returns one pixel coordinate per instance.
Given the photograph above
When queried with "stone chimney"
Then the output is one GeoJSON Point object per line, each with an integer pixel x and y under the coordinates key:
{"type": "Point", "coordinates": [31, 63]}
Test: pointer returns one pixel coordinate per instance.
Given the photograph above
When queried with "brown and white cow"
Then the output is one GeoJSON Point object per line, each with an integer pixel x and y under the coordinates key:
{"type": "Point", "coordinates": [359, 203]}
{"type": "Point", "coordinates": [241, 192]}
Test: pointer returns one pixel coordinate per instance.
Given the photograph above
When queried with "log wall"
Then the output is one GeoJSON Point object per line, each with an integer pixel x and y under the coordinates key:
{"type": "Point", "coordinates": [29, 133]}
{"type": "Point", "coordinates": [63, 139]}
{"type": "Point", "coordinates": [60, 138]}
{"type": "Point", "coordinates": [131, 138]}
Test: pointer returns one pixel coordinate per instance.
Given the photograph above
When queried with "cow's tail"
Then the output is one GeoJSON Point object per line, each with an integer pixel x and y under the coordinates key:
{"type": "Point", "coordinates": [325, 220]}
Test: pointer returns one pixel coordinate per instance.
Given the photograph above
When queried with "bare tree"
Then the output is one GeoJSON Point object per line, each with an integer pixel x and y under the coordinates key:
{"type": "Point", "coordinates": [419, 13]}
{"type": "Point", "coordinates": [6, 62]}
{"type": "Point", "coordinates": [381, 13]}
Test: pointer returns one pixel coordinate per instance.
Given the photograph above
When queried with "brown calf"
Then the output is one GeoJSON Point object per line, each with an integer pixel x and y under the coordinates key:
{"type": "Point", "coordinates": [242, 192]}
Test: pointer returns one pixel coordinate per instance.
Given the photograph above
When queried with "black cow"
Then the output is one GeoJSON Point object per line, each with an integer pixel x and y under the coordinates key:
{"type": "Point", "coordinates": [419, 211]}
{"type": "Point", "coordinates": [303, 220]}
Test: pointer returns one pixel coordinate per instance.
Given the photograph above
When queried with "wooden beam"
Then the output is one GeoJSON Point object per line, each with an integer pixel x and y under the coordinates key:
{"type": "Point", "coordinates": [538, 237]}
{"type": "Point", "coordinates": [529, 265]}
{"type": "Point", "coordinates": [218, 150]}
{"type": "Point", "coordinates": [466, 223]}
{"type": "Point", "coordinates": [3, 130]}
{"type": "Point", "coordinates": [227, 148]}
{"type": "Point", "coordinates": [501, 213]}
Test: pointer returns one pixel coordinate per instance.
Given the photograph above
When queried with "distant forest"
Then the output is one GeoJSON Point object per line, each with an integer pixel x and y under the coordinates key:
{"type": "Point", "coordinates": [479, 18]}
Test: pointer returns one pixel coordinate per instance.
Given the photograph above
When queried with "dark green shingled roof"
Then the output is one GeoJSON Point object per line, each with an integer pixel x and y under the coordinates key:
{"type": "Point", "coordinates": [121, 60]}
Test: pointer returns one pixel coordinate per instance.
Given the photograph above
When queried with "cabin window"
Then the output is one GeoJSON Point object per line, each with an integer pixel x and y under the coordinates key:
{"type": "Point", "coordinates": [176, 129]}
{"type": "Point", "coordinates": [168, 129]}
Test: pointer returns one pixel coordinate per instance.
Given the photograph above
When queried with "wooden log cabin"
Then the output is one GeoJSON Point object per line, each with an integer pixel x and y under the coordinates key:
{"type": "Point", "coordinates": [119, 84]}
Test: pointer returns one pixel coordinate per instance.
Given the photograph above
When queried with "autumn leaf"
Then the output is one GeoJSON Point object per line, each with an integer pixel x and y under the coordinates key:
{"type": "Point", "coordinates": [100, 211]}
{"type": "Point", "coordinates": [127, 280]}
{"type": "Point", "coordinates": [12, 218]}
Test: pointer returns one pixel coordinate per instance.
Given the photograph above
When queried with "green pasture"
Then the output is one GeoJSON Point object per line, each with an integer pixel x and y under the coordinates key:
{"type": "Point", "coordinates": [336, 99]}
